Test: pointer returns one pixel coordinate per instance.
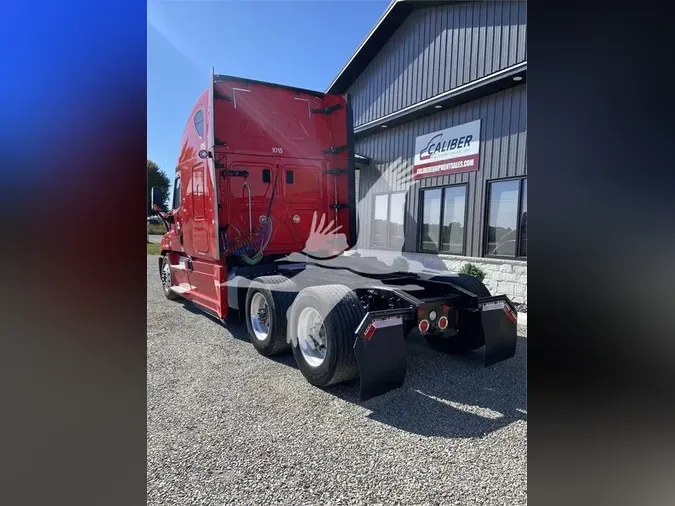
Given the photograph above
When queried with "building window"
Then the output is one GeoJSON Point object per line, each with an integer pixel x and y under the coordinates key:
{"type": "Point", "coordinates": [507, 219]}
{"type": "Point", "coordinates": [443, 220]}
{"type": "Point", "coordinates": [199, 123]}
{"type": "Point", "coordinates": [176, 193]}
{"type": "Point", "coordinates": [389, 213]}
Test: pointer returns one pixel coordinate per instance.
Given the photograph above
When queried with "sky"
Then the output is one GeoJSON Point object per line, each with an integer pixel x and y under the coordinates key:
{"type": "Point", "coordinates": [303, 43]}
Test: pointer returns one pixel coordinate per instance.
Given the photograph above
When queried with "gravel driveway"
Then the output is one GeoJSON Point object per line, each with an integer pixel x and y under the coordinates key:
{"type": "Point", "coordinates": [228, 426]}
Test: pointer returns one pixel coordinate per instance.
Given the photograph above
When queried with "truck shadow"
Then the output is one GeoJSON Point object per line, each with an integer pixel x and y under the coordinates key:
{"type": "Point", "coordinates": [451, 396]}
{"type": "Point", "coordinates": [447, 395]}
{"type": "Point", "coordinates": [235, 327]}
{"type": "Point", "coordinates": [443, 395]}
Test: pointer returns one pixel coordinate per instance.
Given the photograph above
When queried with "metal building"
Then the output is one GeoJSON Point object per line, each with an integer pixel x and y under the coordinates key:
{"type": "Point", "coordinates": [439, 104]}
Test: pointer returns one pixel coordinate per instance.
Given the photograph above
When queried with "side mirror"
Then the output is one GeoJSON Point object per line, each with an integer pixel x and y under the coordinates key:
{"type": "Point", "coordinates": [156, 198]}
{"type": "Point", "coordinates": [204, 154]}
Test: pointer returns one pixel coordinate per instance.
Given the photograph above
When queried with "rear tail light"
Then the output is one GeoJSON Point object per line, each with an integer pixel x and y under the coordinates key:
{"type": "Point", "coordinates": [423, 325]}
{"type": "Point", "coordinates": [442, 323]}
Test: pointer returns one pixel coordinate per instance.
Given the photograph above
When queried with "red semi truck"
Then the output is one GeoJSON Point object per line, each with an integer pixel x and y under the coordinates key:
{"type": "Point", "coordinates": [263, 168]}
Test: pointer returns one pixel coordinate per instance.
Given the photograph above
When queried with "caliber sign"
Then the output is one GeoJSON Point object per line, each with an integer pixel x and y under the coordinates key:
{"type": "Point", "coordinates": [447, 151]}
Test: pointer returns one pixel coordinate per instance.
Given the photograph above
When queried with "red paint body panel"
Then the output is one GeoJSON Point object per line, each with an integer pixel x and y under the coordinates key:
{"type": "Point", "coordinates": [273, 129]}
{"type": "Point", "coordinates": [272, 132]}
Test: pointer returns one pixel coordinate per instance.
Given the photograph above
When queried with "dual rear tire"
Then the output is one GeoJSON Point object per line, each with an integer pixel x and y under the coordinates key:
{"type": "Point", "coordinates": [317, 324]}
{"type": "Point", "coordinates": [267, 303]}
{"type": "Point", "coordinates": [322, 324]}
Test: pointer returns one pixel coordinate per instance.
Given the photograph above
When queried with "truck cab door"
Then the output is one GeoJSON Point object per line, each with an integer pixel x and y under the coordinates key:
{"type": "Point", "coordinates": [196, 238]}
{"type": "Point", "coordinates": [175, 236]}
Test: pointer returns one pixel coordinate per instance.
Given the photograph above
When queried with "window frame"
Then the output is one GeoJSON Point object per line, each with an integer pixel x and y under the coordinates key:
{"type": "Point", "coordinates": [194, 121]}
{"type": "Point", "coordinates": [176, 184]}
{"type": "Point", "coordinates": [486, 214]}
{"type": "Point", "coordinates": [388, 246]}
{"type": "Point", "coordinates": [420, 213]}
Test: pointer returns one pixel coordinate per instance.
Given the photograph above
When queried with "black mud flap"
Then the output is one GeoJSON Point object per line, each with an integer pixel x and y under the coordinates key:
{"type": "Point", "coordinates": [380, 352]}
{"type": "Point", "coordinates": [499, 320]}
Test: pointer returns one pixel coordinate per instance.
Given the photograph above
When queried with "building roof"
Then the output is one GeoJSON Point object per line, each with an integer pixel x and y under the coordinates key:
{"type": "Point", "coordinates": [394, 16]}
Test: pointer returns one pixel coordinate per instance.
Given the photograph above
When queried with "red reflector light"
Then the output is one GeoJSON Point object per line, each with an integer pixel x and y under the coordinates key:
{"type": "Point", "coordinates": [510, 315]}
{"type": "Point", "coordinates": [445, 308]}
{"type": "Point", "coordinates": [442, 323]}
{"type": "Point", "coordinates": [423, 325]}
{"type": "Point", "coordinates": [369, 332]}
{"type": "Point", "coordinates": [420, 312]}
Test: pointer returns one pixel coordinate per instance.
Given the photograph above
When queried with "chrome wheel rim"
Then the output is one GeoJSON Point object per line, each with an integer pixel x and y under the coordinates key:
{"type": "Point", "coordinates": [260, 316]}
{"type": "Point", "coordinates": [166, 275]}
{"type": "Point", "coordinates": [312, 339]}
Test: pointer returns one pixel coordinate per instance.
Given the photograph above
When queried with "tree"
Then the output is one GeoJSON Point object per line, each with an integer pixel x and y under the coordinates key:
{"type": "Point", "coordinates": [161, 182]}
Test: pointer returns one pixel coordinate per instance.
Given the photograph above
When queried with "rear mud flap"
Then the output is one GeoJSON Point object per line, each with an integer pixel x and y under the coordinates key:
{"type": "Point", "coordinates": [499, 321]}
{"type": "Point", "coordinates": [380, 352]}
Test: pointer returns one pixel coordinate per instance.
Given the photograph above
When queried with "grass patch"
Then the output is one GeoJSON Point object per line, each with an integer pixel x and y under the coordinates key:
{"type": "Point", "coordinates": [154, 249]}
{"type": "Point", "coordinates": [156, 229]}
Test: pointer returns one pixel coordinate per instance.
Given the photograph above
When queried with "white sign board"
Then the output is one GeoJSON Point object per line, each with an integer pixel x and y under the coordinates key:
{"type": "Point", "coordinates": [448, 151]}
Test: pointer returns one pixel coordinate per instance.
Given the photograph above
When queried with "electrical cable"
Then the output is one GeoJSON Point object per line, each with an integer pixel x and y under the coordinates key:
{"type": "Point", "coordinates": [251, 251]}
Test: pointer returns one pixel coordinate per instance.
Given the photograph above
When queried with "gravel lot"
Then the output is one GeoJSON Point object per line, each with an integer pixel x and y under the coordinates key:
{"type": "Point", "coordinates": [228, 426]}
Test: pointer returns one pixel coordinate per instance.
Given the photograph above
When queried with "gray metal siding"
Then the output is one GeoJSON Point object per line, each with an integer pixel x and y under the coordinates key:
{"type": "Point", "coordinates": [502, 154]}
{"type": "Point", "coordinates": [438, 49]}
